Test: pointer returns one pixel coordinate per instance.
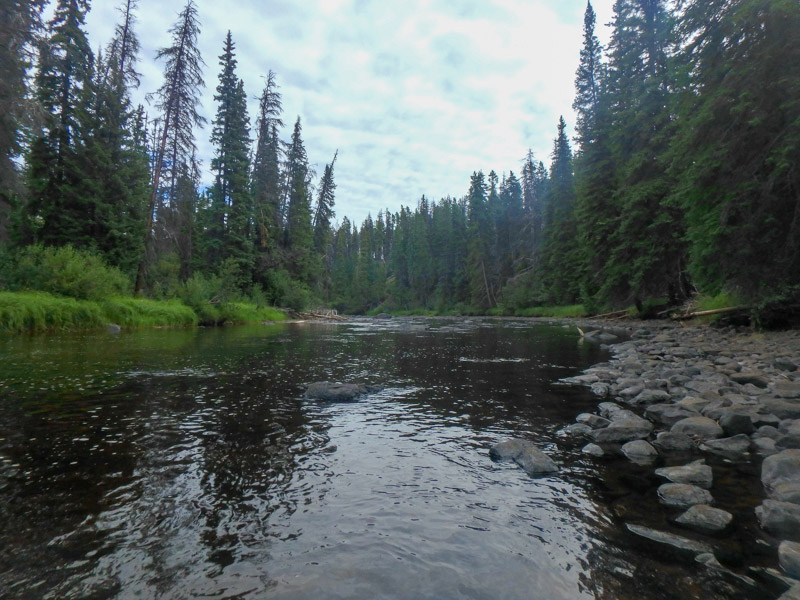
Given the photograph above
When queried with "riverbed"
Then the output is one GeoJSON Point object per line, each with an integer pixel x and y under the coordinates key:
{"type": "Point", "coordinates": [188, 464]}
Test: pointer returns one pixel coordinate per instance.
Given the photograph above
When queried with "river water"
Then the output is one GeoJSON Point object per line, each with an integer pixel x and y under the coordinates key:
{"type": "Point", "coordinates": [187, 464]}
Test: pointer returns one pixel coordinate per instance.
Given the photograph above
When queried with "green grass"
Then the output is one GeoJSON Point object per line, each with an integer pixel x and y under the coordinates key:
{"type": "Point", "coordinates": [39, 311]}
{"type": "Point", "coordinates": [723, 300]}
{"type": "Point", "coordinates": [573, 310]}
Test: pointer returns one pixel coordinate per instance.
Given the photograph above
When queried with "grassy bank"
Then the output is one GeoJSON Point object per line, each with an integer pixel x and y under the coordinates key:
{"type": "Point", "coordinates": [39, 311]}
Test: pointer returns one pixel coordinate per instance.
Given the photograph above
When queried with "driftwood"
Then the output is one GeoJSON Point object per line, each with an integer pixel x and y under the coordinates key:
{"type": "Point", "coordinates": [705, 313]}
{"type": "Point", "coordinates": [316, 315]}
{"type": "Point", "coordinates": [617, 314]}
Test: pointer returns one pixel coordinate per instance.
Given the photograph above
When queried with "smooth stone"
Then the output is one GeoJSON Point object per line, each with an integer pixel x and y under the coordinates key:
{"type": "Point", "coordinates": [767, 431]}
{"type": "Point", "coordinates": [683, 495]}
{"type": "Point", "coordinates": [734, 423]}
{"type": "Point", "coordinates": [650, 397]}
{"type": "Point", "coordinates": [785, 364]}
{"type": "Point", "coordinates": [623, 431]}
{"type": "Point", "coordinates": [640, 452]}
{"type": "Point", "coordinates": [788, 491]}
{"type": "Point", "coordinates": [609, 409]}
{"type": "Point", "coordinates": [789, 558]}
{"type": "Point", "coordinates": [593, 450]}
{"type": "Point", "coordinates": [338, 392]}
{"type": "Point", "coordinates": [667, 441]}
{"type": "Point", "coordinates": [695, 473]}
{"type": "Point", "coordinates": [593, 421]}
{"type": "Point", "coordinates": [780, 518]}
{"type": "Point", "coordinates": [700, 428]}
{"type": "Point", "coordinates": [781, 468]}
{"type": "Point", "coordinates": [787, 389]}
{"type": "Point", "coordinates": [525, 454]}
{"type": "Point", "coordinates": [694, 403]}
{"type": "Point", "coordinates": [781, 408]}
{"type": "Point", "coordinates": [576, 429]}
{"type": "Point", "coordinates": [601, 390]}
{"type": "Point", "coordinates": [734, 448]}
{"type": "Point", "coordinates": [752, 377]}
{"type": "Point", "coordinates": [788, 441]}
{"type": "Point", "coordinates": [765, 446]}
{"type": "Point", "coordinates": [705, 518]}
{"type": "Point", "coordinates": [668, 414]}
{"type": "Point", "coordinates": [670, 539]}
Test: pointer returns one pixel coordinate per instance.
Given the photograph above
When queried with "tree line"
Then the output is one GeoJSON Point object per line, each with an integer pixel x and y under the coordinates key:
{"type": "Point", "coordinates": [682, 177]}
{"type": "Point", "coordinates": [82, 165]}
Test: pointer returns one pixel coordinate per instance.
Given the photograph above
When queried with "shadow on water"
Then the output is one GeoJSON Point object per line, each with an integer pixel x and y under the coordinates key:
{"type": "Point", "coordinates": [180, 464]}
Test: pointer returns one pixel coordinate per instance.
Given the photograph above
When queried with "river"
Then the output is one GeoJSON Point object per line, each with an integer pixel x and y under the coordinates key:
{"type": "Point", "coordinates": [187, 464]}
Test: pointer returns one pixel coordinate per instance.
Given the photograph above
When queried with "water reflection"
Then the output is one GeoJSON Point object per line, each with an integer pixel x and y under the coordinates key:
{"type": "Point", "coordinates": [179, 464]}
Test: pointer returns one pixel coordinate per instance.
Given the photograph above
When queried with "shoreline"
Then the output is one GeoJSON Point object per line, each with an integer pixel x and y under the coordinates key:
{"type": "Point", "coordinates": [681, 394]}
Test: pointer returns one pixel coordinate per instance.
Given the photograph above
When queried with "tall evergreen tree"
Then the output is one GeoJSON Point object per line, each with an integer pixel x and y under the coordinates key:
{"type": "Point", "coordinates": [299, 234]}
{"type": "Point", "coordinates": [587, 81]}
{"type": "Point", "coordinates": [266, 177]}
{"type": "Point", "coordinates": [324, 210]}
{"type": "Point", "coordinates": [178, 100]}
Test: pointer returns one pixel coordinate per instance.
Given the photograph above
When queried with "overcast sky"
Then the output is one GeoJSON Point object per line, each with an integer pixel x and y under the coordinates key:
{"type": "Point", "coordinates": [415, 94]}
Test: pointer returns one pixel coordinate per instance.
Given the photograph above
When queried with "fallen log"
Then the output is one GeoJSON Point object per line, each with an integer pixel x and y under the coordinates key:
{"type": "Point", "coordinates": [706, 313]}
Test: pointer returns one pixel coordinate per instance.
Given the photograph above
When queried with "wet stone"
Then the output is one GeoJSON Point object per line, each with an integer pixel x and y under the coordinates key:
{"type": "Point", "coordinates": [593, 421]}
{"type": "Point", "coordinates": [734, 448]}
{"type": "Point", "coordinates": [593, 450]}
{"type": "Point", "coordinates": [668, 414]}
{"type": "Point", "coordinates": [576, 429]}
{"type": "Point", "coordinates": [683, 495]}
{"type": "Point", "coordinates": [650, 397]}
{"type": "Point", "coordinates": [695, 473]}
{"type": "Point", "coordinates": [780, 469]}
{"type": "Point", "coordinates": [734, 423]}
{"type": "Point", "coordinates": [667, 441]}
{"type": "Point", "coordinates": [676, 542]}
{"type": "Point", "coordinates": [700, 428]}
{"type": "Point", "coordinates": [780, 518]}
{"type": "Point", "coordinates": [705, 518]}
{"type": "Point", "coordinates": [338, 392]}
{"type": "Point", "coordinates": [789, 558]}
{"type": "Point", "coordinates": [525, 454]}
{"type": "Point", "coordinates": [639, 452]}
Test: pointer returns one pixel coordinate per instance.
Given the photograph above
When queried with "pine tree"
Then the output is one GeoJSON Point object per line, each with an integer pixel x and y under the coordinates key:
{"type": "Point", "coordinates": [265, 184]}
{"type": "Point", "coordinates": [587, 82]}
{"type": "Point", "coordinates": [20, 24]}
{"type": "Point", "coordinates": [178, 100]}
{"type": "Point", "coordinates": [479, 232]}
{"type": "Point", "coordinates": [230, 136]}
{"type": "Point", "coordinates": [324, 210]}
{"type": "Point", "coordinates": [56, 212]}
{"type": "Point", "coordinates": [299, 234]}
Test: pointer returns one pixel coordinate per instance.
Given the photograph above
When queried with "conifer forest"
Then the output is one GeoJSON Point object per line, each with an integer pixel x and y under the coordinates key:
{"type": "Point", "coordinates": [682, 177]}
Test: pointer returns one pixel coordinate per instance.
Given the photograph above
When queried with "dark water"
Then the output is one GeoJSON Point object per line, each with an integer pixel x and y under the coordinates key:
{"type": "Point", "coordinates": [185, 464]}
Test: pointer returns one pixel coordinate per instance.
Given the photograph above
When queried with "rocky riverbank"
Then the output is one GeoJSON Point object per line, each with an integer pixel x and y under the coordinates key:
{"type": "Point", "coordinates": [684, 394]}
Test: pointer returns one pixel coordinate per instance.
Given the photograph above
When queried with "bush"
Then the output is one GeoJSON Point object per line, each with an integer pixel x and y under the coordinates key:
{"type": "Point", "coordinates": [38, 311]}
{"type": "Point", "coordinates": [66, 271]}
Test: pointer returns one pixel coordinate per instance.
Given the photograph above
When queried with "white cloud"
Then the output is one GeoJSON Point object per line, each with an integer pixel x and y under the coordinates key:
{"type": "Point", "coordinates": [415, 94]}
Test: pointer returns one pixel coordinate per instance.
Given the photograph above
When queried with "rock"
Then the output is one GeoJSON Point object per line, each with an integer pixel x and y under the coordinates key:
{"type": "Point", "coordinates": [780, 518]}
{"type": "Point", "coordinates": [786, 389]}
{"type": "Point", "coordinates": [764, 446]}
{"type": "Point", "coordinates": [383, 316]}
{"type": "Point", "coordinates": [788, 441]}
{"type": "Point", "coordinates": [525, 454]}
{"type": "Point", "coordinates": [767, 431]}
{"type": "Point", "coordinates": [609, 409]}
{"type": "Point", "coordinates": [669, 539]}
{"type": "Point", "coordinates": [623, 430]}
{"type": "Point", "coordinates": [784, 364]}
{"type": "Point", "coordinates": [793, 593]}
{"type": "Point", "coordinates": [780, 471]}
{"type": "Point", "coordinates": [600, 389]}
{"type": "Point", "coordinates": [113, 328]}
{"type": "Point", "coordinates": [593, 421]}
{"type": "Point", "coordinates": [576, 429]}
{"type": "Point", "coordinates": [695, 473]}
{"type": "Point", "coordinates": [699, 428]}
{"type": "Point", "coordinates": [734, 423]}
{"type": "Point", "coordinates": [668, 414]}
{"type": "Point", "coordinates": [666, 441]}
{"type": "Point", "coordinates": [781, 408]}
{"type": "Point", "coordinates": [694, 403]}
{"type": "Point", "coordinates": [705, 518]}
{"type": "Point", "coordinates": [650, 397]}
{"type": "Point", "coordinates": [338, 392]}
{"type": "Point", "coordinates": [640, 452]}
{"type": "Point", "coordinates": [752, 377]}
{"type": "Point", "coordinates": [683, 495]}
{"type": "Point", "coordinates": [630, 392]}
{"type": "Point", "coordinates": [593, 450]}
{"type": "Point", "coordinates": [789, 558]}
{"type": "Point", "coordinates": [734, 448]}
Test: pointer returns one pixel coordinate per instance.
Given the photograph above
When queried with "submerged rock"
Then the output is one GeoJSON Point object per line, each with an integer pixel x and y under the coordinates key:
{"type": "Point", "coordinates": [676, 542]}
{"type": "Point", "coordinates": [525, 454]}
{"type": "Point", "coordinates": [683, 495]}
{"type": "Point", "coordinates": [338, 392]}
{"type": "Point", "coordinates": [705, 518]}
{"type": "Point", "coordinates": [695, 473]}
{"type": "Point", "coordinates": [593, 450]}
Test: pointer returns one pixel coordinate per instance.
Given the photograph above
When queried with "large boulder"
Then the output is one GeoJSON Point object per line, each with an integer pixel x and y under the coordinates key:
{"type": "Point", "coordinates": [525, 454]}
{"type": "Point", "coordinates": [338, 392]}
{"type": "Point", "coordinates": [696, 473]}
{"type": "Point", "coordinates": [705, 518]}
{"type": "Point", "coordinates": [698, 428]}
{"type": "Point", "coordinates": [683, 495]}
{"type": "Point", "coordinates": [780, 518]}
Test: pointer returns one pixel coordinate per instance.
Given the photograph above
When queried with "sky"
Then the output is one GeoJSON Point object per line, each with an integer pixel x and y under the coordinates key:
{"type": "Point", "coordinates": [414, 94]}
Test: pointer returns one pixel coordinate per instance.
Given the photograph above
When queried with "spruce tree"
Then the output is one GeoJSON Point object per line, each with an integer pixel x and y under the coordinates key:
{"type": "Point", "coordinates": [177, 100]}
{"type": "Point", "coordinates": [324, 210]}
{"type": "Point", "coordinates": [265, 182]}
{"type": "Point", "coordinates": [587, 81]}
{"type": "Point", "coordinates": [299, 234]}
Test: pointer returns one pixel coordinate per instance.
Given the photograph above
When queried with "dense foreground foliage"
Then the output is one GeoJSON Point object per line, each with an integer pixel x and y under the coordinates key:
{"type": "Point", "coordinates": [683, 177]}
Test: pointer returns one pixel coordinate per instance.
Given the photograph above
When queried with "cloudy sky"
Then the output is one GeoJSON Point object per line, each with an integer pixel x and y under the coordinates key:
{"type": "Point", "coordinates": [415, 94]}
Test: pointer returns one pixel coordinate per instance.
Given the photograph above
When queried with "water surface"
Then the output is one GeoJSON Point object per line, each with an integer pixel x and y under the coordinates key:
{"type": "Point", "coordinates": [186, 464]}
